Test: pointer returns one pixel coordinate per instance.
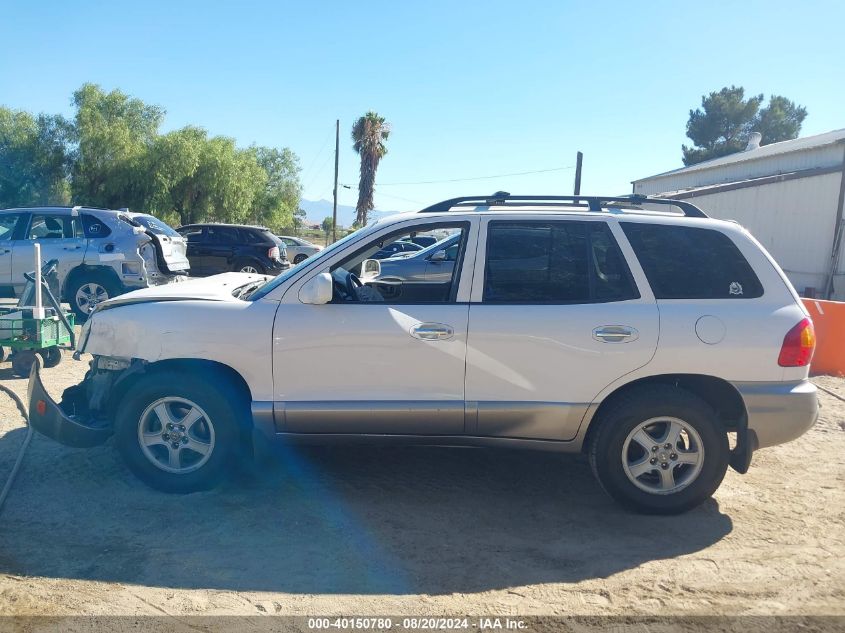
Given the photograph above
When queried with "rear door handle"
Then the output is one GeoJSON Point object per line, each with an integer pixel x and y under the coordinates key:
{"type": "Point", "coordinates": [72, 248]}
{"type": "Point", "coordinates": [432, 331]}
{"type": "Point", "coordinates": [615, 334]}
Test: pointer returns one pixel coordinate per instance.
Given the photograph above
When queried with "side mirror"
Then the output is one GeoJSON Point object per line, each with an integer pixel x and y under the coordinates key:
{"type": "Point", "coordinates": [370, 269]}
{"type": "Point", "coordinates": [438, 256]}
{"type": "Point", "coordinates": [317, 290]}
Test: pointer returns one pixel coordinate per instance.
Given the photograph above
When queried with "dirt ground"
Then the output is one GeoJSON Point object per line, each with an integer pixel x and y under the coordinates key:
{"type": "Point", "coordinates": [415, 531]}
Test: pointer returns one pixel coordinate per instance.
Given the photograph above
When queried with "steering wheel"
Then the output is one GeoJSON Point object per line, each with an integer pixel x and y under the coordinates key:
{"type": "Point", "coordinates": [352, 285]}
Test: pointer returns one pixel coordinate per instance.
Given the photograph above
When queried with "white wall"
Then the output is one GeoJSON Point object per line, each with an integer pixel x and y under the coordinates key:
{"type": "Point", "coordinates": [824, 156]}
{"type": "Point", "coordinates": [794, 220]}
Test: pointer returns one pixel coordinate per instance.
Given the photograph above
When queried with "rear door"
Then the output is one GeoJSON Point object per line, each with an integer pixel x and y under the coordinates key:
{"type": "Point", "coordinates": [61, 236]}
{"type": "Point", "coordinates": [555, 317]}
{"type": "Point", "coordinates": [219, 248]}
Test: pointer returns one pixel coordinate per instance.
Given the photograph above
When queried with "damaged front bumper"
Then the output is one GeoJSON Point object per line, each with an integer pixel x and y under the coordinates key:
{"type": "Point", "coordinates": [48, 418]}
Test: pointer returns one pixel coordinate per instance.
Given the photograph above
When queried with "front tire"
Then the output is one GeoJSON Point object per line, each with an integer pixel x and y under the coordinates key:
{"type": "Point", "coordinates": [176, 432]}
{"type": "Point", "coordinates": [659, 450]}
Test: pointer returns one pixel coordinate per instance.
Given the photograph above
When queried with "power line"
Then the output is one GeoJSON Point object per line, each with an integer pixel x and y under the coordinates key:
{"type": "Point", "coordinates": [437, 182]}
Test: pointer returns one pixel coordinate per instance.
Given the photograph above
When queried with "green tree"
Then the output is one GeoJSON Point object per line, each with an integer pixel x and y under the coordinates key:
{"type": "Point", "coordinates": [278, 201]}
{"type": "Point", "coordinates": [298, 219]}
{"type": "Point", "coordinates": [726, 119]}
{"type": "Point", "coordinates": [327, 225]}
{"type": "Point", "coordinates": [35, 158]}
{"type": "Point", "coordinates": [114, 133]}
{"type": "Point", "coordinates": [112, 155]}
{"type": "Point", "coordinates": [780, 120]}
{"type": "Point", "coordinates": [368, 135]}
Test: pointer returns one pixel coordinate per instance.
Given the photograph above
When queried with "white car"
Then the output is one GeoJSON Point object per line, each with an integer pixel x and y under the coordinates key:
{"type": "Point", "coordinates": [599, 325]}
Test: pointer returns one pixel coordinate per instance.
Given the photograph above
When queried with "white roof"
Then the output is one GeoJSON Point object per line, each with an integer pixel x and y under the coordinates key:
{"type": "Point", "coordinates": [765, 151]}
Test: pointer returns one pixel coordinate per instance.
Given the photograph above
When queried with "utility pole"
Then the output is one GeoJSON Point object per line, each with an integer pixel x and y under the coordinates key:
{"type": "Point", "coordinates": [579, 159]}
{"type": "Point", "coordinates": [336, 152]}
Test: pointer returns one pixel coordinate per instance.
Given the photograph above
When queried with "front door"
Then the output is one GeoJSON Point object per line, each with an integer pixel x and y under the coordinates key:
{"type": "Point", "coordinates": [61, 237]}
{"type": "Point", "coordinates": [8, 222]}
{"type": "Point", "coordinates": [555, 319]}
{"type": "Point", "coordinates": [360, 365]}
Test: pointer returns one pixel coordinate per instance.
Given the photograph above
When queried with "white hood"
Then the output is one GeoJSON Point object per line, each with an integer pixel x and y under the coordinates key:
{"type": "Point", "coordinates": [214, 288]}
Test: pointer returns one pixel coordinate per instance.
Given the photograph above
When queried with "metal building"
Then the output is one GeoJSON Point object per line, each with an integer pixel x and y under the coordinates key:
{"type": "Point", "coordinates": [790, 195]}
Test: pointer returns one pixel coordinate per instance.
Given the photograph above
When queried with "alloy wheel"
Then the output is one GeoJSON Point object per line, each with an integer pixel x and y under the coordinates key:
{"type": "Point", "coordinates": [662, 455]}
{"type": "Point", "coordinates": [89, 296]}
{"type": "Point", "coordinates": [176, 435]}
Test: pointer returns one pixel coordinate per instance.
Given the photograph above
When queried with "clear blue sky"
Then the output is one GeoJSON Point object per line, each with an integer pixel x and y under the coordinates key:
{"type": "Point", "coordinates": [470, 88]}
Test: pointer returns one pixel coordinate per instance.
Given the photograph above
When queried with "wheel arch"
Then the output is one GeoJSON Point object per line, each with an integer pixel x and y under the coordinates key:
{"type": "Point", "coordinates": [717, 392]}
{"type": "Point", "coordinates": [86, 269]}
{"type": "Point", "coordinates": [187, 365]}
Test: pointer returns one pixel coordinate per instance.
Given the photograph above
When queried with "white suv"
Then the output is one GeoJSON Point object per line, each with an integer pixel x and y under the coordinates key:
{"type": "Point", "coordinates": [644, 338]}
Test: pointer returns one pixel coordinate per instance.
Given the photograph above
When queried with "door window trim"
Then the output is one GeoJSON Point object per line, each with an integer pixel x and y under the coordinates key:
{"type": "Point", "coordinates": [482, 260]}
{"type": "Point", "coordinates": [464, 225]}
{"type": "Point", "coordinates": [288, 290]}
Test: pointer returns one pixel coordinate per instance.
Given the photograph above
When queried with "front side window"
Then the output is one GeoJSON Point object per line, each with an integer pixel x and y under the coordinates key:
{"type": "Point", "coordinates": [8, 221]}
{"type": "Point", "coordinates": [684, 262]}
{"type": "Point", "coordinates": [407, 277]}
{"type": "Point", "coordinates": [554, 262]}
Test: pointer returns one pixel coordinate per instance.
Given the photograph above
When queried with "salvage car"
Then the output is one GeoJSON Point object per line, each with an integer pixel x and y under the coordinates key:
{"type": "Point", "coordinates": [637, 331]}
{"type": "Point", "coordinates": [101, 253]}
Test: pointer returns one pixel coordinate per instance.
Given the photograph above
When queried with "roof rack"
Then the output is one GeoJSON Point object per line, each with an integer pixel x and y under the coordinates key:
{"type": "Point", "coordinates": [596, 204]}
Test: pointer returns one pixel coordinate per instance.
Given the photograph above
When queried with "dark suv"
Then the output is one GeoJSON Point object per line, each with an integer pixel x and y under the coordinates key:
{"type": "Point", "coordinates": [220, 248]}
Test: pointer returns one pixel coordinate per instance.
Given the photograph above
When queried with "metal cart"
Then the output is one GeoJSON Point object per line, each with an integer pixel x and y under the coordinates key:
{"type": "Point", "coordinates": [30, 331]}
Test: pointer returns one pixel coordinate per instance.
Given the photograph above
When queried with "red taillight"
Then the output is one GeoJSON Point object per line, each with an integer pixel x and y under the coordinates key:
{"type": "Point", "coordinates": [798, 345]}
{"type": "Point", "coordinates": [273, 253]}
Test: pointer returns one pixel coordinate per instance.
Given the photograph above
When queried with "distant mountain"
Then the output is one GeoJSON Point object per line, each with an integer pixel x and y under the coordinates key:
{"type": "Point", "coordinates": [317, 210]}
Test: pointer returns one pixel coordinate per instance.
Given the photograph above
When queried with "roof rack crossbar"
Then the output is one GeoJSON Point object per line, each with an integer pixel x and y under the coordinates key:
{"type": "Point", "coordinates": [596, 204]}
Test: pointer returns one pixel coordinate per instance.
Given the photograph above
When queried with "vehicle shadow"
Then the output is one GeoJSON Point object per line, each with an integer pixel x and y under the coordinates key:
{"type": "Point", "coordinates": [335, 520]}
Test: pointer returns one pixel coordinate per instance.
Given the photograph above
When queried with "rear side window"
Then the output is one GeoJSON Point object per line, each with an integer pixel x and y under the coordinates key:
{"type": "Point", "coordinates": [50, 227]}
{"type": "Point", "coordinates": [224, 235]}
{"type": "Point", "coordinates": [94, 227]}
{"type": "Point", "coordinates": [554, 262]}
{"type": "Point", "coordinates": [683, 262]}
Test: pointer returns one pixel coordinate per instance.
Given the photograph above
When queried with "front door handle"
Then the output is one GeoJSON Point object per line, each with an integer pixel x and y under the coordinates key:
{"type": "Point", "coordinates": [432, 331]}
{"type": "Point", "coordinates": [615, 334]}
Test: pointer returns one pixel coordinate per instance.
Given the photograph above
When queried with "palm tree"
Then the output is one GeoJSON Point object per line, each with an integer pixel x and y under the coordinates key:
{"type": "Point", "coordinates": [368, 134]}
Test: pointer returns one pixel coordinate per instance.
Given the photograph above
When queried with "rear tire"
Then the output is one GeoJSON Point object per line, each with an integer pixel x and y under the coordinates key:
{"type": "Point", "coordinates": [300, 258]}
{"type": "Point", "coordinates": [86, 290]}
{"type": "Point", "coordinates": [202, 414]}
{"type": "Point", "coordinates": [659, 450]}
{"type": "Point", "coordinates": [248, 266]}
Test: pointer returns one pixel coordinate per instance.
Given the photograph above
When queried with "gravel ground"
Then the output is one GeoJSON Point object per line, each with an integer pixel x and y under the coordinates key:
{"type": "Point", "coordinates": [415, 531]}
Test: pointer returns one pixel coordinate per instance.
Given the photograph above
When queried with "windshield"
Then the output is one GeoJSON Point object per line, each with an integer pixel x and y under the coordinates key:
{"type": "Point", "coordinates": [326, 252]}
{"type": "Point", "coordinates": [155, 225]}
